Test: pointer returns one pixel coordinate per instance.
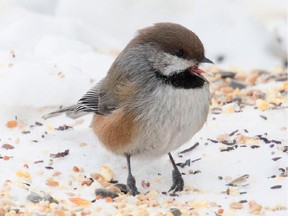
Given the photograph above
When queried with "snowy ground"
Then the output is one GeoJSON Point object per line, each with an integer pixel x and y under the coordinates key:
{"type": "Point", "coordinates": [52, 52]}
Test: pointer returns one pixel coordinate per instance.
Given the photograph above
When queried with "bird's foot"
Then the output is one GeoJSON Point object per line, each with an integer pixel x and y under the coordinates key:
{"type": "Point", "coordinates": [178, 182]}
{"type": "Point", "coordinates": [131, 185]}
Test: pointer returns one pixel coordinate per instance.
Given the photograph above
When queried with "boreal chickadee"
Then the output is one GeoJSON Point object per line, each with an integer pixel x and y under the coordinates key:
{"type": "Point", "coordinates": [153, 99]}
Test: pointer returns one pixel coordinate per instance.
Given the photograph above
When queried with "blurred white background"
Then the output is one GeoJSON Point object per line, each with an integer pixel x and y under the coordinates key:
{"type": "Point", "coordinates": [68, 43]}
{"type": "Point", "coordinates": [247, 33]}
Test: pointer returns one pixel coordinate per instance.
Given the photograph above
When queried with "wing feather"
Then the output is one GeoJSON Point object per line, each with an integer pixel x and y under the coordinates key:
{"type": "Point", "coordinates": [96, 100]}
{"type": "Point", "coordinates": [89, 102]}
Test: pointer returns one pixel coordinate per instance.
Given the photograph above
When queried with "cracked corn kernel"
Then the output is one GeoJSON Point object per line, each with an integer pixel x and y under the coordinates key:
{"type": "Point", "coordinates": [79, 201]}
{"type": "Point", "coordinates": [5, 157]}
{"type": "Point", "coordinates": [52, 183]}
{"type": "Point", "coordinates": [75, 169]}
{"type": "Point", "coordinates": [285, 86]}
{"type": "Point", "coordinates": [254, 207]}
{"type": "Point", "coordinates": [106, 173]}
{"type": "Point", "coordinates": [11, 124]}
{"type": "Point", "coordinates": [236, 205]}
{"type": "Point", "coordinates": [262, 104]}
{"type": "Point", "coordinates": [59, 213]}
{"type": "Point", "coordinates": [108, 199]}
{"type": "Point", "coordinates": [22, 174]}
{"type": "Point", "coordinates": [220, 211]}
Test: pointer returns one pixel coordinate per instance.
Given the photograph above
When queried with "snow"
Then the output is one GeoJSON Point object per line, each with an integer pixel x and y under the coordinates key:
{"type": "Point", "coordinates": [52, 52]}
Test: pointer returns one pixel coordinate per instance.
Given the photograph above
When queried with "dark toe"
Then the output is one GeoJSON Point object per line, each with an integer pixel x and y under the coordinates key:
{"type": "Point", "coordinates": [178, 182]}
{"type": "Point", "coordinates": [131, 184]}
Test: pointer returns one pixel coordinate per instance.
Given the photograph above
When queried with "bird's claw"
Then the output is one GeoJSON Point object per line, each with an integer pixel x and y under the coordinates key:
{"type": "Point", "coordinates": [178, 182]}
{"type": "Point", "coordinates": [131, 185]}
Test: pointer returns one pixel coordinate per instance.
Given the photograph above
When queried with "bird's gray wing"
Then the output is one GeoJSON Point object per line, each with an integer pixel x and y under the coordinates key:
{"type": "Point", "coordinates": [96, 100]}
{"type": "Point", "coordinates": [89, 102]}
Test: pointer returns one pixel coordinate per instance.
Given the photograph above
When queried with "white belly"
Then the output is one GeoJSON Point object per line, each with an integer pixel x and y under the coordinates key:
{"type": "Point", "coordinates": [170, 119]}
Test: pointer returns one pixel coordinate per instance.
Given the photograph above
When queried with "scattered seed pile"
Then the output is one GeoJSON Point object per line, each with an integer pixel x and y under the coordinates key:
{"type": "Point", "coordinates": [232, 91]}
{"type": "Point", "coordinates": [64, 192]}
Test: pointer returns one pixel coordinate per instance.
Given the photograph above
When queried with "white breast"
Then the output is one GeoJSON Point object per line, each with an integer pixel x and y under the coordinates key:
{"type": "Point", "coordinates": [170, 119]}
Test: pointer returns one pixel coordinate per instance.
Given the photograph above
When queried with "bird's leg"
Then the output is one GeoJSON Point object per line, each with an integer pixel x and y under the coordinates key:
{"type": "Point", "coordinates": [131, 183]}
{"type": "Point", "coordinates": [178, 182]}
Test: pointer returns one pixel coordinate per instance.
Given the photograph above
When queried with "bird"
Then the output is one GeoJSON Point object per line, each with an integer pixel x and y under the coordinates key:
{"type": "Point", "coordinates": [153, 99]}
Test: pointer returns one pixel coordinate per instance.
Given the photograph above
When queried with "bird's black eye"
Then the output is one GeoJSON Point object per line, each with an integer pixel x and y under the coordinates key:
{"type": "Point", "coordinates": [180, 53]}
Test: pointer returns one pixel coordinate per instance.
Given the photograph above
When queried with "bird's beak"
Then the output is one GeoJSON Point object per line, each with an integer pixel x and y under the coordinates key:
{"type": "Point", "coordinates": [197, 70]}
{"type": "Point", "coordinates": [206, 60]}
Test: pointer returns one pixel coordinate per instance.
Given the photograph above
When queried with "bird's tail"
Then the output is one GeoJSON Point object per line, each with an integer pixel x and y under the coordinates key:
{"type": "Point", "coordinates": [70, 112]}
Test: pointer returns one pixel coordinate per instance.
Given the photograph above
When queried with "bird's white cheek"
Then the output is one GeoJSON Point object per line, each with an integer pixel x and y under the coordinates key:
{"type": "Point", "coordinates": [175, 64]}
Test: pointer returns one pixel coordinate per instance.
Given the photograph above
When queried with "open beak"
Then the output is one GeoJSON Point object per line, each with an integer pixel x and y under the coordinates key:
{"type": "Point", "coordinates": [196, 70]}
